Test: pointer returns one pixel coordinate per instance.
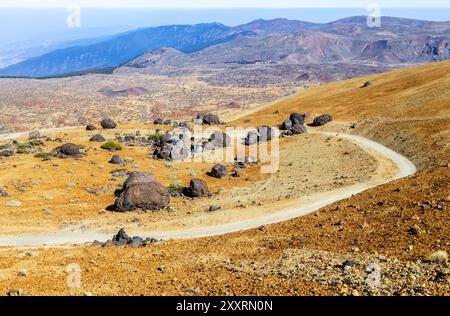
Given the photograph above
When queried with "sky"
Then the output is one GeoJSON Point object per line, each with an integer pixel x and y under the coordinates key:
{"type": "Point", "coordinates": [45, 20]}
{"type": "Point", "coordinates": [210, 4]}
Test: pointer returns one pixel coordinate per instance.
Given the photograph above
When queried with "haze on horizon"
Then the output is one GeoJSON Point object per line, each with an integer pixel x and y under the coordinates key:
{"type": "Point", "coordinates": [24, 20]}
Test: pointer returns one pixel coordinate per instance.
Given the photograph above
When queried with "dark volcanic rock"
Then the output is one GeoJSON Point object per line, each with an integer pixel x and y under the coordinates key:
{"type": "Point", "coordinates": [145, 196]}
{"type": "Point", "coordinates": [91, 127]}
{"type": "Point", "coordinates": [116, 160]}
{"type": "Point", "coordinates": [266, 133]}
{"type": "Point", "coordinates": [218, 139]}
{"type": "Point", "coordinates": [158, 121]}
{"type": "Point", "coordinates": [297, 118]}
{"type": "Point", "coordinates": [211, 119]}
{"type": "Point", "coordinates": [135, 178]}
{"type": "Point", "coordinates": [97, 138]}
{"type": "Point", "coordinates": [197, 188]}
{"type": "Point", "coordinates": [298, 129]}
{"type": "Point", "coordinates": [108, 124]}
{"type": "Point", "coordinates": [322, 120]}
{"type": "Point", "coordinates": [68, 149]}
{"type": "Point", "coordinates": [121, 238]}
{"type": "Point", "coordinates": [219, 171]}
{"type": "Point", "coordinates": [286, 125]}
{"type": "Point", "coordinates": [251, 139]}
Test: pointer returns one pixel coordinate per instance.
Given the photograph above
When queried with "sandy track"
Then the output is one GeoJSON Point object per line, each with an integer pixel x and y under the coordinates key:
{"type": "Point", "coordinates": [311, 204]}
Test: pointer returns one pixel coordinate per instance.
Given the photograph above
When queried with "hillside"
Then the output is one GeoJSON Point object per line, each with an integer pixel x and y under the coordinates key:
{"type": "Point", "coordinates": [392, 229]}
{"type": "Point", "coordinates": [408, 109]}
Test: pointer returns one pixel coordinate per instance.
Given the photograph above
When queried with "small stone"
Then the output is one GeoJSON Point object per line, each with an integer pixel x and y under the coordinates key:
{"type": "Point", "coordinates": [16, 292]}
{"type": "Point", "coordinates": [214, 208]}
{"type": "Point", "coordinates": [13, 204]}
{"type": "Point", "coordinates": [438, 256]}
{"type": "Point", "coordinates": [23, 273]}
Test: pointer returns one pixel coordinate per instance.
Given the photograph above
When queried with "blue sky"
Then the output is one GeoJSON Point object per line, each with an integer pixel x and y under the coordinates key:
{"type": "Point", "coordinates": [45, 20]}
{"type": "Point", "coordinates": [177, 4]}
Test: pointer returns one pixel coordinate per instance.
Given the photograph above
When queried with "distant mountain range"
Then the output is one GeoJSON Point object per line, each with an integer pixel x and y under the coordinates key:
{"type": "Point", "coordinates": [397, 41]}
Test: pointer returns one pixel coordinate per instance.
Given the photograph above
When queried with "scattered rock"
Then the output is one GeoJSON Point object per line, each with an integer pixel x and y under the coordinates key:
{"type": "Point", "coordinates": [91, 127]}
{"type": "Point", "coordinates": [214, 208]}
{"type": "Point", "coordinates": [141, 191]}
{"type": "Point", "coordinates": [16, 292]}
{"type": "Point", "coordinates": [13, 204]}
{"type": "Point", "coordinates": [218, 139]}
{"type": "Point", "coordinates": [297, 118]}
{"type": "Point", "coordinates": [197, 188]}
{"type": "Point", "coordinates": [108, 124]}
{"type": "Point", "coordinates": [366, 84]}
{"type": "Point", "coordinates": [67, 150]}
{"type": "Point", "coordinates": [116, 160]}
{"type": "Point", "coordinates": [219, 171]}
{"type": "Point", "coordinates": [211, 119]}
{"type": "Point", "coordinates": [322, 120]}
{"type": "Point", "coordinates": [97, 138]}
{"type": "Point", "coordinates": [34, 135]}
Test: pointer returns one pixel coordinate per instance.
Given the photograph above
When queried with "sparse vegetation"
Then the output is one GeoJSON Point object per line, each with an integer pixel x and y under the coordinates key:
{"type": "Point", "coordinates": [112, 146]}
{"type": "Point", "coordinates": [175, 187]}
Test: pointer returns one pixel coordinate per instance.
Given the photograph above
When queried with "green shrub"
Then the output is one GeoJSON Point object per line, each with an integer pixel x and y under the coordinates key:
{"type": "Point", "coordinates": [43, 156]}
{"type": "Point", "coordinates": [175, 187]}
{"type": "Point", "coordinates": [35, 142]}
{"type": "Point", "coordinates": [155, 136]}
{"type": "Point", "coordinates": [6, 152]}
{"type": "Point", "coordinates": [112, 146]}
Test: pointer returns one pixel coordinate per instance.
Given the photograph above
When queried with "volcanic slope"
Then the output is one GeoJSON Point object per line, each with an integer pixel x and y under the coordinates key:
{"type": "Point", "coordinates": [392, 229]}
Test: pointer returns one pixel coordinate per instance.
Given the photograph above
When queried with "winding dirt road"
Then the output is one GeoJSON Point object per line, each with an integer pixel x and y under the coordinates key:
{"type": "Point", "coordinates": [310, 204]}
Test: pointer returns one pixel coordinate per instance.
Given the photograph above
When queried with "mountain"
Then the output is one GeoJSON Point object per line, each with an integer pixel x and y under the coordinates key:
{"type": "Point", "coordinates": [398, 41]}
{"type": "Point", "coordinates": [115, 51]}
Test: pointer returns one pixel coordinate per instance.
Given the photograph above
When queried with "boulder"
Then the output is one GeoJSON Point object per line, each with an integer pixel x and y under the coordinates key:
{"type": "Point", "coordinates": [108, 124]}
{"type": "Point", "coordinates": [211, 119]}
{"type": "Point", "coordinates": [141, 191]}
{"type": "Point", "coordinates": [91, 127]}
{"type": "Point", "coordinates": [97, 138]}
{"type": "Point", "coordinates": [116, 160]}
{"type": "Point", "coordinates": [251, 139]}
{"type": "Point", "coordinates": [266, 133]}
{"type": "Point", "coordinates": [297, 118]}
{"type": "Point", "coordinates": [158, 121]}
{"type": "Point", "coordinates": [197, 188]}
{"type": "Point", "coordinates": [298, 129]}
{"type": "Point", "coordinates": [135, 178]}
{"type": "Point", "coordinates": [322, 120]}
{"type": "Point", "coordinates": [219, 139]}
{"type": "Point", "coordinates": [121, 239]}
{"type": "Point", "coordinates": [34, 135]}
{"type": "Point", "coordinates": [165, 139]}
{"type": "Point", "coordinates": [219, 171]}
{"type": "Point", "coordinates": [68, 149]}
{"type": "Point", "coordinates": [286, 125]}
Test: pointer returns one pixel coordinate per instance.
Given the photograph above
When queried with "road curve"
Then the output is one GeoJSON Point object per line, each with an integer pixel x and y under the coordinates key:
{"type": "Point", "coordinates": [312, 204]}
